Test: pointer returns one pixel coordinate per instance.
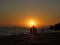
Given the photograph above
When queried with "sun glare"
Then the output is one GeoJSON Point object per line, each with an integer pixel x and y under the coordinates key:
{"type": "Point", "coordinates": [32, 23]}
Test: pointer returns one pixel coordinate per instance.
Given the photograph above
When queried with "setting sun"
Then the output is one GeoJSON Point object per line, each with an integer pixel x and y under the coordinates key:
{"type": "Point", "coordinates": [32, 23]}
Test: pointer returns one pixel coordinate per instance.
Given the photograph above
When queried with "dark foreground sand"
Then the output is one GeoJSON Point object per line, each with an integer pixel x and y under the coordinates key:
{"type": "Point", "coordinates": [31, 39]}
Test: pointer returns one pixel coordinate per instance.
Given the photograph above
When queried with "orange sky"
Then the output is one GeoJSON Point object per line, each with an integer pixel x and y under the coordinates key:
{"type": "Point", "coordinates": [20, 13]}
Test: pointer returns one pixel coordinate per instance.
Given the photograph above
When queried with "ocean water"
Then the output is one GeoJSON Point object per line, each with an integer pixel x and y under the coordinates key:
{"type": "Point", "coordinates": [21, 31]}
{"type": "Point", "coordinates": [50, 37]}
{"type": "Point", "coordinates": [10, 31]}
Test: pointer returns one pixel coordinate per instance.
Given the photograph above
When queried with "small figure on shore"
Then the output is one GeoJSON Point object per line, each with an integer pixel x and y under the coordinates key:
{"type": "Point", "coordinates": [33, 30]}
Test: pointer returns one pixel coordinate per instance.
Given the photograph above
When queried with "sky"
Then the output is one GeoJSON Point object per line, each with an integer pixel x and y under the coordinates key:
{"type": "Point", "coordinates": [20, 12]}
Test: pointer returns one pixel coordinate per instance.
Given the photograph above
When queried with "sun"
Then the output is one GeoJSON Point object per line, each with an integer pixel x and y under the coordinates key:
{"type": "Point", "coordinates": [32, 23]}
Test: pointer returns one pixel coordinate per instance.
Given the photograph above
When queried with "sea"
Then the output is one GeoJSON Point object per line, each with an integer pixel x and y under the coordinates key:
{"type": "Point", "coordinates": [22, 36]}
{"type": "Point", "coordinates": [14, 31]}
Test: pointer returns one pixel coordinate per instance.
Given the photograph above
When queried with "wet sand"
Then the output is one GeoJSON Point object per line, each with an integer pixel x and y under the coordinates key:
{"type": "Point", "coordinates": [31, 39]}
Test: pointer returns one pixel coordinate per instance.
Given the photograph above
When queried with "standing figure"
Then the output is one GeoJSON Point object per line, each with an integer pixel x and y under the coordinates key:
{"type": "Point", "coordinates": [33, 30]}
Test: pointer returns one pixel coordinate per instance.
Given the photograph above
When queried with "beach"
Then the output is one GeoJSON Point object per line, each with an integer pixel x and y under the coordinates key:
{"type": "Point", "coordinates": [31, 39]}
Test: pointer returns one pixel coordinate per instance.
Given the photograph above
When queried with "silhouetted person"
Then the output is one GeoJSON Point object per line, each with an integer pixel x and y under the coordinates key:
{"type": "Point", "coordinates": [51, 27]}
{"type": "Point", "coordinates": [33, 30]}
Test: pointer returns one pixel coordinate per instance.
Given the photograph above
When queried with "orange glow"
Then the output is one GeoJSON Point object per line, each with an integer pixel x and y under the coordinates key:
{"type": "Point", "coordinates": [32, 23]}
